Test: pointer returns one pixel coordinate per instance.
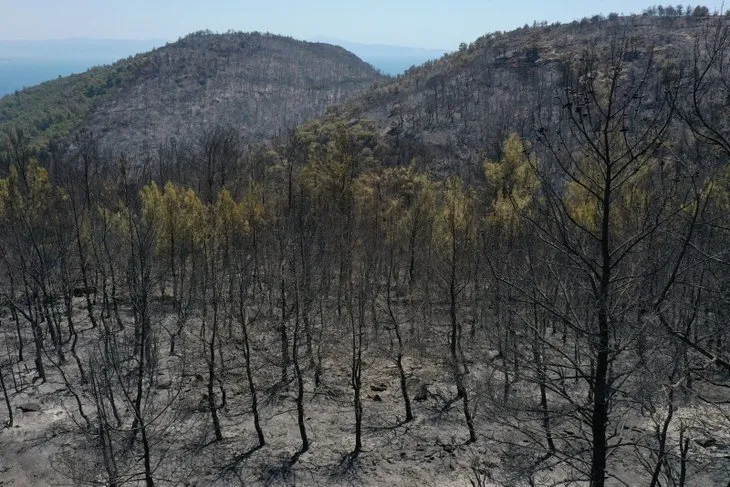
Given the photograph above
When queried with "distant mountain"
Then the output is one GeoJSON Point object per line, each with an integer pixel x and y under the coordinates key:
{"type": "Point", "coordinates": [260, 83]}
{"type": "Point", "coordinates": [30, 62]}
{"type": "Point", "coordinates": [392, 60]}
{"type": "Point", "coordinates": [27, 63]}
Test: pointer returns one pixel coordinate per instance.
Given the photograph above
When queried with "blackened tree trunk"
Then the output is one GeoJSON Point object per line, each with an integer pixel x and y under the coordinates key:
{"type": "Point", "coordinates": [9, 422]}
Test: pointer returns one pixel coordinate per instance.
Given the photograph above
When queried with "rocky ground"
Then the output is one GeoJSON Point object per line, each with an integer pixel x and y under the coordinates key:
{"type": "Point", "coordinates": [48, 443]}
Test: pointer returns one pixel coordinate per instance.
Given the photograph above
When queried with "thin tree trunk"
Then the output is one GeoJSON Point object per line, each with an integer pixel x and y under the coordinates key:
{"type": "Point", "coordinates": [284, 337]}
{"type": "Point", "coordinates": [399, 353]}
{"type": "Point", "coordinates": [211, 359]}
{"type": "Point", "coordinates": [356, 366]}
{"type": "Point", "coordinates": [455, 357]}
{"type": "Point", "coordinates": [249, 374]}
{"type": "Point", "coordinates": [9, 422]}
{"type": "Point", "coordinates": [662, 437]}
{"type": "Point", "coordinates": [599, 419]}
{"type": "Point", "coordinates": [300, 381]}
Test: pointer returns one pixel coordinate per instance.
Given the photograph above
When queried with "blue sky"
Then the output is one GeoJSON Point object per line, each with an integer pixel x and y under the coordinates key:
{"type": "Point", "coordinates": [421, 23]}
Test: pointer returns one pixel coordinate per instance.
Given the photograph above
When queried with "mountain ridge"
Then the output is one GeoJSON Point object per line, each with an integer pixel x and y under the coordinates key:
{"type": "Point", "coordinates": [452, 112]}
{"type": "Point", "coordinates": [295, 80]}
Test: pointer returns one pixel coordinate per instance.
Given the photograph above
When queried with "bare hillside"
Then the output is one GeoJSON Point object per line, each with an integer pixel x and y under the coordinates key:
{"type": "Point", "coordinates": [453, 113]}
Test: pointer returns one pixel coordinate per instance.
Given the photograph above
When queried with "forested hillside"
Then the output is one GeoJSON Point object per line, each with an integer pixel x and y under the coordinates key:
{"type": "Point", "coordinates": [509, 267]}
{"type": "Point", "coordinates": [260, 83]}
{"type": "Point", "coordinates": [452, 113]}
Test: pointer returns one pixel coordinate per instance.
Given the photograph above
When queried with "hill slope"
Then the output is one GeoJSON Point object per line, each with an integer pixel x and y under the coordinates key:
{"type": "Point", "coordinates": [28, 63]}
{"type": "Point", "coordinates": [260, 83]}
{"type": "Point", "coordinates": [452, 113]}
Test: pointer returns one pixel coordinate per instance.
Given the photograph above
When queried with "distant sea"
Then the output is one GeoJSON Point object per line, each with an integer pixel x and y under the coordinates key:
{"type": "Point", "coordinates": [16, 74]}
{"type": "Point", "coordinates": [394, 66]}
{"type": "Point", "coordinates": [28, 63]}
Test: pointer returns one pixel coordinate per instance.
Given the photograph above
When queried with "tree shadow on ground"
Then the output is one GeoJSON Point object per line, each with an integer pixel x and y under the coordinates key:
{"type": "Point", "coordinates": [347, 470]}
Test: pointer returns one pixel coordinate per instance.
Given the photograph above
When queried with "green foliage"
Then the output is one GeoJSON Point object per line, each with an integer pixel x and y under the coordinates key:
{"type": "Point", "coordinates": [337, 153]}
{"type": "Point", "coordinates": [400, 198]}
{"type": "Point", "coordinates": [226, 219]}
{"type": "Point", "coordinates": [178, 213]}
{"type": "Point", "coordinates": [454, 226]}
{"type": "Point", "coordinates": [28, 195]}
{"type": "Point", "coordinates": [55, 108]}
{"type": "Point", "coordinates": [33, 211]}
{"type": "Point", "coordinates": [678, 11]}
{"type": "Point", "coordinates": [512, 184]}
{"type": "Point", "coordinates": [184, 223]}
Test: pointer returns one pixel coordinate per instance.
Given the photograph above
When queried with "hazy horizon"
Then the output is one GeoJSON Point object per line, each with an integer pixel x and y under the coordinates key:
{"type": "Point", "coordinates": [44, 39]}
{"type": "Point", "coordinates": [431, 24]}
{"type": "Point", "coordinates": [157, 42]}
{"type": "Point", "coordinates": [25, 63]}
